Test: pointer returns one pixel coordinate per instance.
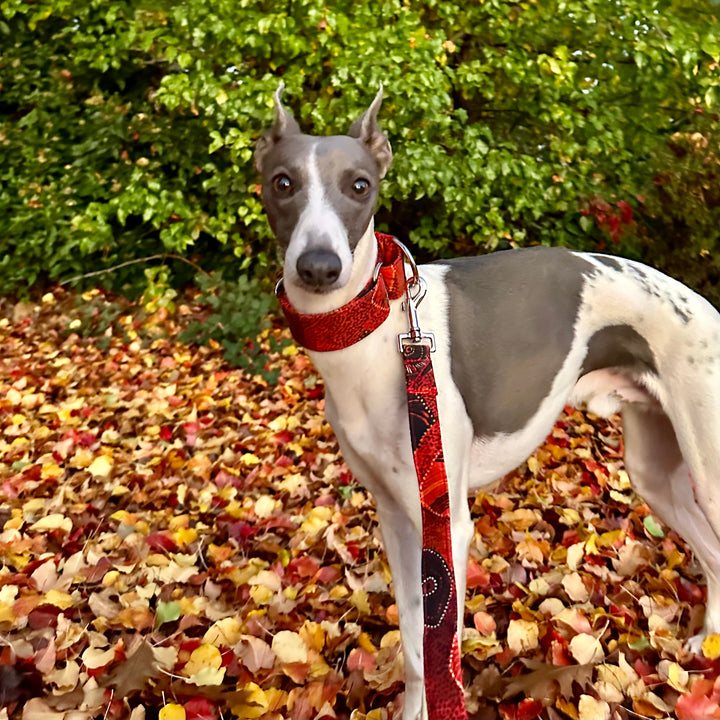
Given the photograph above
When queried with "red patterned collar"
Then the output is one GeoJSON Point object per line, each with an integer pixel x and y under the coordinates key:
{"type": "Point", "coordinates": [356, 319]}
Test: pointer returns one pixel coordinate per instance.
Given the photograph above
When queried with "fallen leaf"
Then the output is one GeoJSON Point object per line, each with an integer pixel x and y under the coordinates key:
{"type": "Point", "coordinates": [289, 647]}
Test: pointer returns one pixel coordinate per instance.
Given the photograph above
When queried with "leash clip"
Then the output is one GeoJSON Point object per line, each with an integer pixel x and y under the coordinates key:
{"type": "Point", "coordinates": [416, 290]}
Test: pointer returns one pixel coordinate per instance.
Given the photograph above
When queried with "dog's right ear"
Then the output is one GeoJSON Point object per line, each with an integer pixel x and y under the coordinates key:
{"type": "Point", "coordinates": [284, 124]}
{"type": "Point", "coordinates": [366, 129]}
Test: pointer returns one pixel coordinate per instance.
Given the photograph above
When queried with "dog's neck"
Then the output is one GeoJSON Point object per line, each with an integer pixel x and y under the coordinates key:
{"type": "Point", "coordinates": [364, 261]}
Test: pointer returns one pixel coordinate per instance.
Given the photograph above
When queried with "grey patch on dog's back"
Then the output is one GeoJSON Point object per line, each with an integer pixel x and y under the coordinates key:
{"type": "Point", "coordinates": [619, 346]}
{"type": "Point", "coordinates": [611, 262]}
{"type": "Point", "coordinates": [511, 317]}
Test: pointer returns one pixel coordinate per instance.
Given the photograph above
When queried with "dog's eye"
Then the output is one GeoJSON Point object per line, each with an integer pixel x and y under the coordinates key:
{"type": "Point", "coordinates": [360, 186]}
{"type": "Point", "coordinates": [282, 183]}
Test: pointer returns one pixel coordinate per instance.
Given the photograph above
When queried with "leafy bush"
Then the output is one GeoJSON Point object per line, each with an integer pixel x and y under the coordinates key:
{"type": "Point", "coordinates": [126, 128]}
{"type": "Point", "coordinates": [241, 309]}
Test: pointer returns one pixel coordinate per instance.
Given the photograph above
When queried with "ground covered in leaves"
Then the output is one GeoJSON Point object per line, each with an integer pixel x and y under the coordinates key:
{"type": "Point", "coordinates": [179, 539]}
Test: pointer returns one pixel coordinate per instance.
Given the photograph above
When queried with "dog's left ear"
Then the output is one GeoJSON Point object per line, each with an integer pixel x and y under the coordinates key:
{"type": "Point", "coordinates": [367, 130]}
{"type": "Point", "coordinates": [285, 124]}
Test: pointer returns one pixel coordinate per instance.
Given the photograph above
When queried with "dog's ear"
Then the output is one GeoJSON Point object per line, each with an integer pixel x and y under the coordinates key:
{"type": "Point", "coordinates": [366, 129]}
{"type": "Point", "coordinates": [284, 124]}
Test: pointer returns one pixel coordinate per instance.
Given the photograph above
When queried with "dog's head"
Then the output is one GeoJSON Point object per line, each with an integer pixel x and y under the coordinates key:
{"type": "Point", "coordinates": [320, 193]}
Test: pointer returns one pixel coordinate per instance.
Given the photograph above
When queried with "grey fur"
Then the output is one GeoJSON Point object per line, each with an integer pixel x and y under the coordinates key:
{"type": "Point", "coordinates": [341, 160]}
{"type": "Point", "coordinates": [619, 346]}
{"type": "Point", "coordinates": [526, 300]}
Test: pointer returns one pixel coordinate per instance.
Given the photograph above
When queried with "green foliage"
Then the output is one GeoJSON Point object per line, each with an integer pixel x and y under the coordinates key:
{"type": "Point", "coordinates": [240, 314]}
{"type": "Point", "coordinates": [126, 128]}
{"type": "Point", "coordinates": [97, 317]}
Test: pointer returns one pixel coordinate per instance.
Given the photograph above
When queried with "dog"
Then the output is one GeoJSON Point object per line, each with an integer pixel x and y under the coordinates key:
{"type": "Point", "coordinates": [518, 335]}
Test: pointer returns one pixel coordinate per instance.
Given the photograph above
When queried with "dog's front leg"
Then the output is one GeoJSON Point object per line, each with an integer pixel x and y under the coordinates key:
{"type": "Point", "coordinates": [402, 538]}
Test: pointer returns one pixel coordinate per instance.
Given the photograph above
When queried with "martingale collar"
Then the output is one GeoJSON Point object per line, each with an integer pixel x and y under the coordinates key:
{"type": "Point", "coordinates": [356, 319]}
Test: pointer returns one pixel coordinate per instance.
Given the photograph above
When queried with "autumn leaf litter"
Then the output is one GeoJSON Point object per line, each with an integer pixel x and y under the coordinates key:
{"type": "Point", "coordinates": [180, 539]}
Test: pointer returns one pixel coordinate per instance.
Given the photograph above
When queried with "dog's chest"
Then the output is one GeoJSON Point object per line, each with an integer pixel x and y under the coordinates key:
{"type": "Point", "coordinates": [365, 396]}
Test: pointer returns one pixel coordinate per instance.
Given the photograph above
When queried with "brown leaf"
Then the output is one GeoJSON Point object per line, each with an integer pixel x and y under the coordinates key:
{"type": "Point", "coordinates": [133, 674]}
{"type": "Point", "coordinates": [541, 681]}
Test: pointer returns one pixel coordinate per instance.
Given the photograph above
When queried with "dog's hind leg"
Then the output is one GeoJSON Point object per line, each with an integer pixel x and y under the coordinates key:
{"type": "Point", "coordinates": [664, 479]}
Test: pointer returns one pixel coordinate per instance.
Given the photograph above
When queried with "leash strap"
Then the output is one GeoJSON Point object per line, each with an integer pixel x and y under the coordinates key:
{"type": "Point", "coordinates": [441, 645]}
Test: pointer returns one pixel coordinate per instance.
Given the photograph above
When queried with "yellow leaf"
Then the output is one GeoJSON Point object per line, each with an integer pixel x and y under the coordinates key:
{"type": "Point", "coordinates": [591, 709]}
{"type": "Point", "coordinates": [261, 594]}
{"type": "Point", "coordinates": [7, 598]}
{"type": "Point", "coordinates": [265, 506]}
{"type": "Point", "coordinates": [172, 711]}
{"type": "Point", "coordinates": [54, 521]}
{"type": "Point", "coordinates": [338, 592]}
{"type": "Point", "coordinates": [81, 459]}
{"type": "Point", "coordinates": [278, 424]}
{"type": "Point", "coordinates": [313, 635]}
{"type": "Point", "coordinates": [678, 677]}
{"type": "Point", "coordinates": [204, 666]}
{"type": "Point", "coordinates": [33, 506]}
{"type": "Point", "coordinates": [100, 466]}
{"type": "Point", "coordinates": [366, 643]}
{"type": "Point", "coordinates": [256, 704]}
{"type": "Point", "coordinates": [289, 647]}
{"type": "Point", "coordinates": [359, 599]}
{"type": "Point", "coordinates": [711, 646]}
{"type": "Point", "coordinates": [522, 635]}
{"type": "Point", "coordinates": [204, 656]}
{"type": "Point", "coordinates": [58, 598]}
{"type": "Point", "coordinates": [51, 471]}
{"type": "Point", "coordinates": [124, 517]}
{"type": "Point", "coordinates": [208, 676]}
{"type": "Point", "coordinates": [97, 657]}
{"type": "Point", "coordinates": [110, 577]}
{"type": "Point", "coordinates": [586, 648]}
{"type": "Point", "coordinates": [610, 538]}
{"type": "Point", "coordinates": [317, 519]}
{"type": "Point", "coordinates": [591, 545]}
{"type": "Point", "coordinates": [250, 460]}
{"type": "Point", "coordinates": [224, 632]}
{"type": "Point", "coordinates": [184, 536]}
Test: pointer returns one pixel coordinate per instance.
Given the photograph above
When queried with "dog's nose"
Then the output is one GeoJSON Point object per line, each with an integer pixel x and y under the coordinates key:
{"type": "Point", "coordinates": [319, 268]}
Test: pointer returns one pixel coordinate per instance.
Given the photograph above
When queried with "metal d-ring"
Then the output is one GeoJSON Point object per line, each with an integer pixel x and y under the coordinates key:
{"type": "Point", "coordinates": [410, 261]}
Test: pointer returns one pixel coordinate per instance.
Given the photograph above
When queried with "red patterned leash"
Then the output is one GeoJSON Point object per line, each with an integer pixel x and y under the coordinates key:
{"type": "Point", "coordinates": [441, 644]}
{"type": "Point", "coordinates": [345, 326]}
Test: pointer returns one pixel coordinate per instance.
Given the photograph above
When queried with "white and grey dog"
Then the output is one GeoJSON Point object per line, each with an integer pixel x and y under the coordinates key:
{"type": "Point", "coordinates": [519, 334]}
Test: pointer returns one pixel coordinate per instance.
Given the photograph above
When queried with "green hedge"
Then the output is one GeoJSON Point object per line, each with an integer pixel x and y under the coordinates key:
{"type": "Point", "coordinates": [126, 128]}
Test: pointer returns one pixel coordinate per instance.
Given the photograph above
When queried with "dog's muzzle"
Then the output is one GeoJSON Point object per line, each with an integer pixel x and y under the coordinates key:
{"type": "Point", "coordinates": [319, 269]}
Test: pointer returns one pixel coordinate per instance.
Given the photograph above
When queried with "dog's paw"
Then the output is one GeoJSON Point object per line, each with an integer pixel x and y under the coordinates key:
{"type": "Point", "coordinates": [694, 644]}
{"type": "Point", "coordinates": [704, 644]}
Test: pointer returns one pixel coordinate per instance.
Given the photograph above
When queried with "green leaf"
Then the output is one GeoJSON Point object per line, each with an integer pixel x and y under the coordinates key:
{"type": "Point", "coordinates": [652, 527]}
{"type": "Point", "coordinates": [166, 612]}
